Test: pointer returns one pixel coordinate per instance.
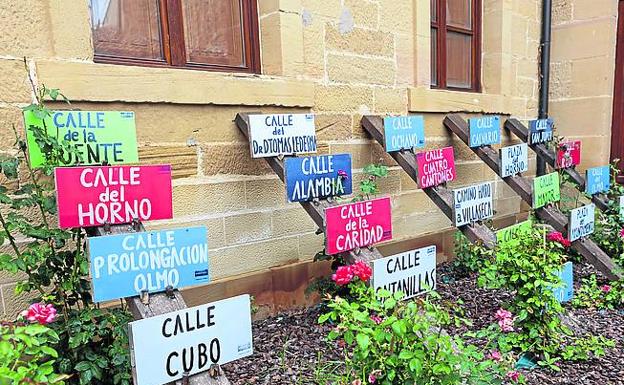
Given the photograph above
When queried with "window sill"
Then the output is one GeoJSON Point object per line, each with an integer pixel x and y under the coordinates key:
{"type": "Point", "coordinates": [434, 100]}
{"type": "Point", "coordinates": [87, 81]}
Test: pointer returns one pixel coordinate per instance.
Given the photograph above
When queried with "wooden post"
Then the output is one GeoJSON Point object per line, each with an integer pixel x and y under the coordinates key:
{"type": "Point", "coordinates": [440, 195]}
{"type": "Point", "coordinates": [315, 210]}
{"type": "Point", "coordinates": [549, 156]}
{"type": "Point", "coordinates": [523, 187]}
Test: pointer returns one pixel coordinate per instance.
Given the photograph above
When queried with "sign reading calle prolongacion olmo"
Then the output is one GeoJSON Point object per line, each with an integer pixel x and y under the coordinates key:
{"type": "Point", "coordinates": [514, 160]}
{"type": "Point", "coordinates": [321, 176]}
{"type": "Point", "coordinates": [472, 203]}
{"type": "Point", "coordinates": [412, 272]}
{"type": "Point", "coordinates": [281, 134]}
{"type": "Point", "coordinates": [125, 265]}
{"type": "Point", "coordinates": [581, 222]}
{"type": "Point", "coordinates": [484, 131]}
{"type": "Point", "coordinates": [190, 340]}
{"type": "Point", "coordinates": [404, 132]}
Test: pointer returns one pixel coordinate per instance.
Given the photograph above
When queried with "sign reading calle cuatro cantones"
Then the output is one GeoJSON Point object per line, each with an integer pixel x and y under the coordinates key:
{"type": "Point", "coordinates": [281, 134]}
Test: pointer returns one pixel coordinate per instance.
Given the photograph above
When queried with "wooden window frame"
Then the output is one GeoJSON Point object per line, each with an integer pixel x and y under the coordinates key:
{"type": "Point", "coordinates": [442, 28]}
{"type": "Point", "coordinates": [172, 30]}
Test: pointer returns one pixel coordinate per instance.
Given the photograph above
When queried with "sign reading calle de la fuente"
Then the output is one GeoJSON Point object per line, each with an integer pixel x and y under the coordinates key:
{"type": "Point", "coordinates": [546, 190]}
{"type": "Point", "coordinates": [166, 347]}
{"type": "Point", "coordinates": [98, 136]}
{"type": "Point", "coordinates": [514, 160]}
{"type": "Point", "coordinates": [435, 167]}
{"type": "Point", "coordinates": [404, 132]}
{"type": "Point", "coordinates": [568, 154]}
{"type": "Point", "coordinates": [581, 222]}
{"type": "Point", "coordinates": [597, 180]}
{"type": "Point", "coordinates": [281, 134]}
{"type": "Point", "coordinates": [507, 234]}
{"type": "Point", "coordinates": [484, 131]}
{"type": "Point", "coordinates": [472, 203]}
{"type": "Point", "coordinates": [126, 265]}
{"type": "Point", "coordinates": [95, 195]}
{"type": "Point", "coordinates": [323, 176]}
{"type": "Point", "coordinates": [540, 131]}
{"type": "Point", "coordinates": [357, 224]}
{"type": "Point", "coordinates": [412, 272]}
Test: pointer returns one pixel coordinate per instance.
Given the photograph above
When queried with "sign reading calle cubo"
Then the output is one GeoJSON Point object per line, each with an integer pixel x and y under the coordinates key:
{"type": "Point", "coordinates": [472, 203]}
{"type": "Point", "coordinates": [98, 136]}
{"type": "Point", "coordinates": [412, 272]}
{"type": "Point", "coordinates": [313, 177]}
{"type": "Point", "coordinates": [568, 154]}
{"type": "Point", "coordinates": [566, 274]}
{"type": "Point", "coordinates": [484, 131]}
{"type": "Point", "coordinates": [514, 160]}
{"type": "Point", "coordinates": [167, 346]}
{"type": "Point", "coordinates": [404, 132]}
{"type": "Point", "coordinates": [581, 222]}
{"type": "Point", "coordinates": [357, 224]}
{"type": "Point", "coordinates": [507, 234]}
{"type": "Point", "coordinates": [435, 167]}
{"type": "Point", "coordinates": [281, 134]}
{"type": "Point", "coordinates": [540, 131]}
{"type": "Point", "coordinates": [93, 196]}
{"type": "Point", "coordinates": [126, 265]}
{"type": "Point", "coordinates": [546, 190]}
{"type": "Point", "coordinates": [597, 180]}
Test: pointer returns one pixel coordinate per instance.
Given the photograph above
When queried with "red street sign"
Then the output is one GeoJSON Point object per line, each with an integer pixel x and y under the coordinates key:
{"type": "Point", "coordinates": [568, 154]}
{"type": "Point", "coordinates": [435, 167]}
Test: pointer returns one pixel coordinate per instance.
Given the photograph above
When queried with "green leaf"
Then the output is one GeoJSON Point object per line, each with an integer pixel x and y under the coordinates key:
{"type": "Point", "coordinates": [363, 340]}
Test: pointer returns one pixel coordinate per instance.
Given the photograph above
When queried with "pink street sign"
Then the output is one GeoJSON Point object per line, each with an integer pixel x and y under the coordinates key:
{"type": "Point", "coordinates": [93, 196]}
{"type": "Point", "coordinates": [357, 224]}
{"type": "Point", "coordinates": [569, 154]}
{"type": "Point", "coordinates": [435, 167]}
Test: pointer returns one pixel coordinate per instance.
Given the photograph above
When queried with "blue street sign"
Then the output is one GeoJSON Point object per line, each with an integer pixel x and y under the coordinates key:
{"type": "Point", "coordinates": [404, 132]}
{"type": "Point", "coordinates": [565, 293]}
{"type": "Point", "coordinates": [540, 131]}
{"type": "Point", "coordinates": [320, 177]}
{"type": "Point", "coordinates": [126, 265]}
{"type": "Point", "coordinates": [484, 131]}
{"type": "Point", "coordinates": [597, 179]}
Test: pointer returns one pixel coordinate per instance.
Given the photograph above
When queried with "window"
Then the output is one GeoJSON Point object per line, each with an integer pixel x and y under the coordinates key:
{"type": "Point", "coordinates": [220, 35]}
{"type": "Point", "coordinates": [456, 44]}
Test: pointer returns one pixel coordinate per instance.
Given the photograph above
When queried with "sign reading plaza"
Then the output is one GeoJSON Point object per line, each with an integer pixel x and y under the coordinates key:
{"type": "Point", "coordinates": [435, 167]}
{"type": "Point", "coordinates": [540, 131]}
{"type": "Point", "coordinates": [568, 154]}
{"type": "Point", "coordinates": [93, 196]}
{"type": "Point", "coordinates": [167, 346]}
{"type": "Point", "coordinates": [357, 224]}
{"type": "Point", "coordinates": [412, 272]}
{"type": "Point", "coordinates": [320, 177]}
{"type": "Point", "coordinates": [546, 190]}
{"type": "Point", "coordinates": [127, 265]}
{"type": "Point", "coordinates": [597, 180]}
{"type": "Point", "coordinates": [507, 234]}
{"type": "Point", "coordinates": [514, 160]}
{"type": "Point", "coordinates": [581, 222]}
{"type": "Point", "coordinates": [98, 136]}
{"type": "Point", "coordinates": [472, 203]}
{"type": "Point", "coordinates": [484, 131]}
{"type": "Point", "coordinates": [281, 134]}
{"type": "Point", "coordinates": [404, 132]}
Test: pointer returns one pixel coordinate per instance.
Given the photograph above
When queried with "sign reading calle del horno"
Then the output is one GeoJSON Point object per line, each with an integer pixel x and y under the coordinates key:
{"type": "Point", "coordinates": [412, 272]}
{"type": "Point", "coordinates": [281, 134]}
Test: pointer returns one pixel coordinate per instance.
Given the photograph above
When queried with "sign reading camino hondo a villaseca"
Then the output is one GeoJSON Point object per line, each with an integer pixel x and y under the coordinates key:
{"type": "Point", "coordinates": [597, 180]}
{"type": "Point", "coordinates": [281, 134]}
{"type": "Point", "coordinates": [435, 167]}
{"type": "Point", "coordinates": [93, 196]}
{"type": "Point", "coordinates": [412, 272]}
{"type": "Point", "coordinates": [311, 177]}
{"type": "Point", "coordinates": [404, 132]}
{"type": "Point", "coordinates": [514, 160]}
{"type": "Point", "coordinates": [472, 203]}
{"type": "Point", "coordinates": [484, 131]}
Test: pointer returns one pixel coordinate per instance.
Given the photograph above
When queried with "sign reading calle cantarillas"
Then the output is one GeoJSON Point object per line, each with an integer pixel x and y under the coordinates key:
{"type": "Point", "coordinates": [313, 177]}
{"type": "Point", "coordinates": [435, 167]}
{"type": "Point", "coordinates": [597, 180]}
{"type": "Point", "coordinates": [167, 346]}
{"type": "Point", "coordinates": [404, 132]}
{"type": "Point", "coordinates": [507, 234]}
{"type": "Point", "coordinates": [126, 265]}
{"type": "Point", "coordinates": [581, 222]}
{"type": "Point", "coordinates": [98, 136]}
{"type": "Point", "coordinates": [93, 196]}
{"type": "Point", "coordinates": [472, 203]}
{"type": "Point", "coordinates": [540, 131]}
{"type": "Point", "coordinates": [546, 189]}
{"type": "Point", "coordinates": [484, 131]}
{"type": "Point", "coordinates": [514, 160]}
{"type": "Point", "coordinates": [281, 134]}
{"type": "Point", "coordinates": [412, 272]}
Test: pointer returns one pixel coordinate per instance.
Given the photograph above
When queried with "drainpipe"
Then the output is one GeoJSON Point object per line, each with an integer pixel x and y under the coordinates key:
{"type": "Point", "coordinates": [544, 72]}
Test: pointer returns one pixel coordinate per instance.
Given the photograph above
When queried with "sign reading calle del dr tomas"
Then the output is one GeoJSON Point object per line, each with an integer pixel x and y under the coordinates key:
{"type": "Point", "coordinates": [125, 265]}
{"type": "Point", "coordinates": [167, 346]}
{"type": "Point", "coordinates": [472, 203]}
{"type": "Point", "coordinates": [404, 132]}
{"type": "Point", "coordinates": [597, 180]}
{"type": "Point", "coordinates": [281, 134]}
{"type": "Point", "coordinates": [435, 167]}
{"type": "Point", "coordinates": [412, 272]}
{"type": "Point", "coordinates": [311, 177]}
{"type": "Point", "coordinates": [540, 131]}
{"type": "Point", "coordinates": [514, 160]}
{"type": "Point", "coordinates": [581, 222]}
{"type": "Point", "coordinates": [484, 131]}
{"type": "Point", "coordinates": [546, 190]}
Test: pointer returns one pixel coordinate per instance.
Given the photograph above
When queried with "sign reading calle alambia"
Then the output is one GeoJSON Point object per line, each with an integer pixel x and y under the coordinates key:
{"type": "Point", "coordinates": [167, 346]}
{"type": "Point", "coordinates": [281, 134]}
{"type": "Point", "coordinates": [514, 160]}
{"type": "Point", "coordinates": [472, 203]}
{"type": "Point", "coordinates": [435, 167]}
{"type": "Point", "coordinates": [357, 224]}
{"type": "Point", "coordinates": [581, 222]}
{"type": "Point", "coordinates": [484, 131]}
{"type": "Point", "coordinates": [94, 196]}
{"type": "Point", "coordinates": [313, 177]}
{"type": "Point", "coordinates": [404, 132]}
{"type": "Point", "coordinates": [412, 272]}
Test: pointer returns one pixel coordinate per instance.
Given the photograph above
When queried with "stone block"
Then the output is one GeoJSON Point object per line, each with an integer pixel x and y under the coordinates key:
{"type": "Point", "coordinates": [584, 40]}
{"type": "Point", "coordinates": [291, 222]}
{"type": "Point", "coordinates": [309, 245]}
{"type": "Point", "coordinates": [580, 116]}
{"type": "Point", "coordinates": [231, 159]}
{"type": "Point", "coordinates": [360, 153]}
{"type": "Point", "coordinates": [365, 12]}
{"type": "Point", "coordinates": [359, 41]}
{"type": "Point", "coordinates": [343, 98]}
{"type": "Point", "coordinates": [314, 48]}
{"type": "Point", "coordinates": [14, 304]}
{"type": "Point", "coordinates": [592, 76]}
{"type": "Point", "coordinates": [333, 126]}
{"type": "Point", "coordinates": [390, 100]}
{"type": "Point", "coordinates": [265, 193]}
{"type": "Point", "coordinates": [590, 9]}
{"type": "Point", "coordinates": [356, 69]}
{"type": "Point", "coordinates": [15, 87]}
{"type": "Point", "coordinates": [183, 159]}
{"type": "Point", "coordinates": [325, 8]}
{"type": "Point", "coordinates": [411, 202]}
{"type": "Point", "coordinates": [214, 226]}
{"type": "Point", "coordinates": [196, 197]}
{"type": "Point", "coordinates": [247, 227]}
{"type": "Point", "coordinates": [562, 11]}
{"type": "Point", "coordinates": [25, 30]}
{"type": "Point", "coordinates": [397, 16]}
{"type": "Point", "coordinates": [71, 29]}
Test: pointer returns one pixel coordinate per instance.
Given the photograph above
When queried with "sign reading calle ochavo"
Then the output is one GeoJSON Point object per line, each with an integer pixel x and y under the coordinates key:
{"type": "Point", "coordinates": [514, 160]}
{"type": "Point", "coordinates": [540, 131]}
{"type": "Point", "coordinates": [190, 340]}
{"type": "Point", "coordinates": [357, 224]}
{"type": "Point", "coordinates": [98, 136]}
{"type": "Point", "coordinates": [546, 189]}
{"type": "Point", "coordinates": [125, 265]}
{"type": "Point", "coordinates": [472, 203]}
{"type": "Point", "coordinates": [484, 131]}
{"type": "Point", "coordinates": [597, 180]}
{"type": "Point", "coordinates": [507, 234]}
{"type": "Point", "coordinates": [435, 167]}
{"type": "Point", "coordinates": [281, 134]}
{"type": "Point", "coordinates": [568, 154]}
{"type": "Point", "coordinates": [93, 196]}
{"type": "Point", "coordinates": [404, 132]}
{"type": "Point", "coordinates": [412, 272]}
{"type": "Point", "coordinates": [581, 222]}
{"type": "Point", "coordinates": [322, 176]}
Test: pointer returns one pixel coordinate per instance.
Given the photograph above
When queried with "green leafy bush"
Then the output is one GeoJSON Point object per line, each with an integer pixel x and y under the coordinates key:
{"type": "Point", "coordinates": [591, 294]}
{"type": "Point", "coordinates": [469, 258]}
{"type": "Point", "coordinates": [609, 223]}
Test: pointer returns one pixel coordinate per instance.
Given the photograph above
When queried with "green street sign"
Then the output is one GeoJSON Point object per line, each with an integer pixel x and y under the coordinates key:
{"type": "Point", "coordinates": [99, 136]}
{"type": "Point", "coordinates": [503, 236]}
{"type": "Point", "coordinates": [546, 190]}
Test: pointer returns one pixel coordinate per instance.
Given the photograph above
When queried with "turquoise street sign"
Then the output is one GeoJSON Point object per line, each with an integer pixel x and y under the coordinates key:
{"type": "Point", "coordinates": [404, 132]}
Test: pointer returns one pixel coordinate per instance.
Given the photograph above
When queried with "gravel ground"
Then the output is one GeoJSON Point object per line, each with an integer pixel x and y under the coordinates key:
{"type": "Point", "coordinates": [291, 348]}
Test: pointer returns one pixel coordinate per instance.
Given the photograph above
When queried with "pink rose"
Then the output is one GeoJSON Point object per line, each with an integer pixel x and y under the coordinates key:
{"type": "Point", "coordinates": [40, 312]}
{"type": "Point", "coordinates": [343, 174]}
{"type": "Point", "coordinates": [362, 270]}
{"type": "Point", "coordinates": [344, 275]}
{"type": "Point", "coordinates": [503, 314]}
{"type": "Point", "coordinates": [513, 375]}
{"type": "Point", "coordinates": [372, 379]}
{"type": "Point", "coordinates": [495, 355]}
{"type": "Point", "coordinates": [376, 319]}
{"type": "Point", "coordinates": [605, 288]}
{"type": "Point", "coordinates": [357, 382]}
{"type": "Point", "coordinates": [506, 325]}
{"type": "Point", "coordinates": [556, 236]}
{"type": "Point", "coordinates": [622, 233]}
